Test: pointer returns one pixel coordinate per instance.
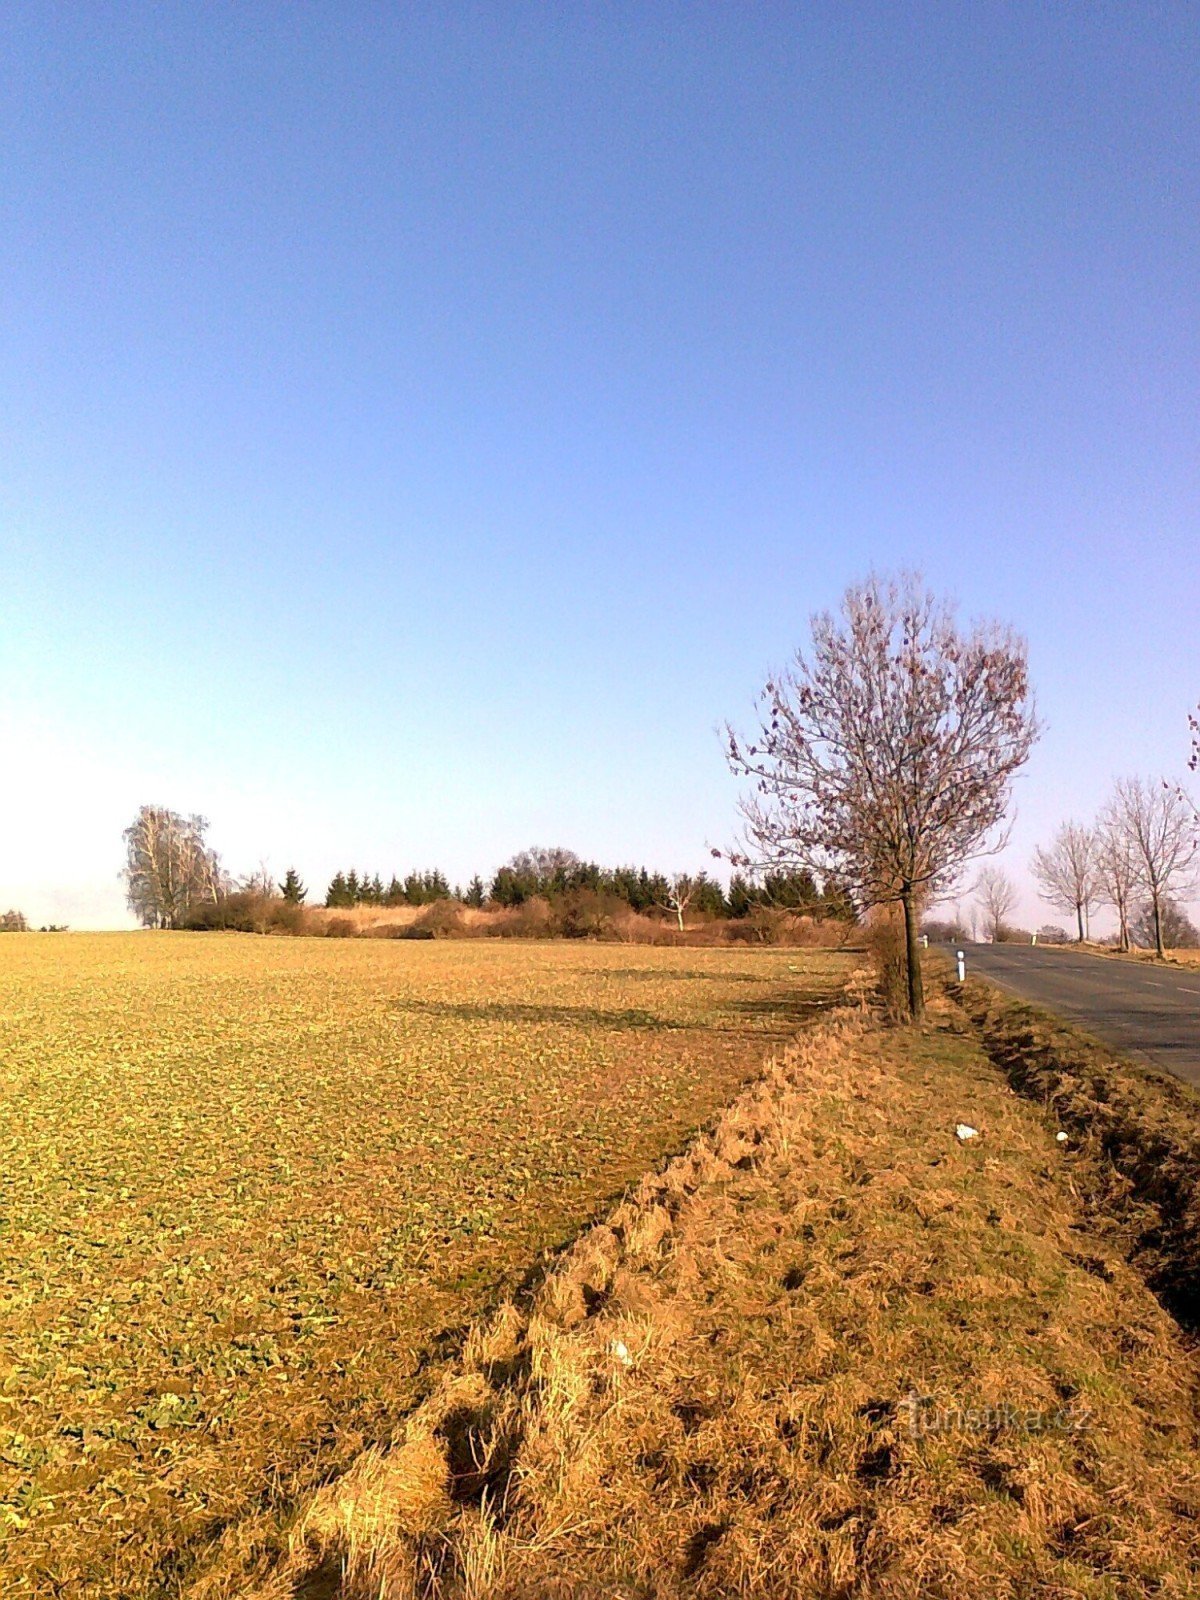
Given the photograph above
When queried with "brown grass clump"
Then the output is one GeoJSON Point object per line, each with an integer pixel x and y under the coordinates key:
{"type": "Point", "coordinates": [830, 1351]}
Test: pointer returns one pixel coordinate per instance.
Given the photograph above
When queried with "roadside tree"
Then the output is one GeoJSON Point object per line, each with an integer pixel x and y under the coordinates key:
{"type": "Point", "coordinates": [1068, 874]}
{"type": "Point", "coordinates": [884, 758]}
{"type": "Point", "coordinates": [995, 895]}
{"type": "Point", "coordinates": [1116, 870]}
{"type": "Point", "coordinates": [1178, 929]}
{"type": "Point", "coordinates": [1156, 820]}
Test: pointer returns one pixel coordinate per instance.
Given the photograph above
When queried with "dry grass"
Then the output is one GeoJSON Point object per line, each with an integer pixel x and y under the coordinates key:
{"type": "Point", "coordinates": [1175, 958]}
{"type": "Point", "coordinates": [248, 1183]}
{"type": "Point", "coordinates": [1141, 1125]}
{"type": "Point", "coordinates": [730, 1387]}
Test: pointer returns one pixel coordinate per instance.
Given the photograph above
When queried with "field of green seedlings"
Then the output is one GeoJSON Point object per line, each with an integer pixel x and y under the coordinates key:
{"type": "Point", "coordinates": [251, 1187]}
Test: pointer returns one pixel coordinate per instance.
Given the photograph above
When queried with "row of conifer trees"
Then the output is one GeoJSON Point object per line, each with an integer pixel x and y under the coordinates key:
{"type": "Point", "coordinates": [641, 890]}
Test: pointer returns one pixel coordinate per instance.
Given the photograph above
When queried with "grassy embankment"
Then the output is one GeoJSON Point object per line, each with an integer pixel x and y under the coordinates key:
{"type": "Point", "coordinates": [247, 1183]}
{"type": "Point", "coordinates": [833, 1351]}
{"type": "Point", "coordinates": [1174, 958]}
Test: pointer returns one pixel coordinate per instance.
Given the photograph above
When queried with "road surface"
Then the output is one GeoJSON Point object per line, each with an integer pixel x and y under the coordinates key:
{"type": "Point", "coordinates": [1141, 1009]}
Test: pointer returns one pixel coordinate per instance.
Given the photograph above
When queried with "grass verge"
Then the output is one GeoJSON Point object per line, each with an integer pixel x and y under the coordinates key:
{"type": "Point", "coordinates": [832, 1351]}
{"type": "Point", "coordinates": [1139, 1127]}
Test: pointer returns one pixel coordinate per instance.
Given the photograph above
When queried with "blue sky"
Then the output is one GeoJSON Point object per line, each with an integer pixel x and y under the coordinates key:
{"type": "Point", "coordinates": [420, 426]}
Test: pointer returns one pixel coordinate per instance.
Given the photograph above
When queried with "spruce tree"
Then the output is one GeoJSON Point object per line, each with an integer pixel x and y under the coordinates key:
{"type": "Point", "coordinates": [293, 890]}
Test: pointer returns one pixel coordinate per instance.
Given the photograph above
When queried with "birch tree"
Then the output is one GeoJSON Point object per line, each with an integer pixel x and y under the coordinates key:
{"type": "Point", "coordinates": [1157, 821]}
{"type": "Point", "coordinates": [1067, 873]}
{"type": "Point", "coordinates": [168, 867]}
{"type": "Point", "coordinates": [885, 756]}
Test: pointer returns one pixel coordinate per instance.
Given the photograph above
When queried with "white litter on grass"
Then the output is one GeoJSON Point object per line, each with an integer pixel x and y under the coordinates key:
{"type": "Point", "coordinates": [965, 1131]}
{"type": "Point", "coordinates": [1061, 1137]}
{"type": "Point", "coordinates": [621, 1350]}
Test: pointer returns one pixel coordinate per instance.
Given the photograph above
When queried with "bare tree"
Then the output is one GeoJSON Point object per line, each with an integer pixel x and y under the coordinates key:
{"type": "Point", "coordinates": [995, 895]}
{"type": "Point", "coordinates": [543, 865]}
{"type": "Point", "coordinates": [168, 867]}
{"type": "Point", "coordinates": [1067, 873]}
{"type": "Point", "coordinates": [1156, 820]}
{"type": "Point", "coordinates": [681, 891]}
{"type": "Point", "coordinates": [261, 882]}
{"type": "Point", "coordinates": [885, 758]}
{"type": "Point", "coordinates": [1116, 870]}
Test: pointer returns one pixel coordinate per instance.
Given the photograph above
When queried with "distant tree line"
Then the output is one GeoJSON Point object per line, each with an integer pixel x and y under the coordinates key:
{"type": "Point", "coordinates": [1139, 857]}
{"type": "Point", "coordinates": [174, 879]}
{"type": "Point", "coordinates": [362, 889]}
{"type": "Point", "coordinates": [555, 874]}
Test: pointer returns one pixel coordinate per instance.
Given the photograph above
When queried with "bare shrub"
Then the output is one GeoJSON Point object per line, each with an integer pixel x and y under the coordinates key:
{"type": "Point", "coordinates": [242, 911]}
{"type": "Point", "coordinates": [587, 914]}
{"type": "Point", "coordinates": [532, 919]}
{"type": "Point", "coordinates": [289, 916]}
{"type": "Point", "coordinates": [341, 928]}
{"type": "Point", "coordinates": [885, 941]}
{"type": "Point", "coordinates": [444, 919]}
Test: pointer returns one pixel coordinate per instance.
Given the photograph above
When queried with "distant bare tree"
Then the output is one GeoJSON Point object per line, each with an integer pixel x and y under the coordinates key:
{"type": "Point", "coordinates": [541, 865]}
{"type": "Point", "coordinates": [1158, 823]}
{"type": "Point", "coordinates": [996, 896]}
{"type": "Point", "coordinates": [1116, 870]}
{"type": "Point", "coordinates": [681, 890]}
{"type": "Point", "coordinates": [1066, 871]}
{"type": "Point", "coordinates": [261, 882]}
{"type": "Point", "coordinates": [14, 922]}
{"type": "Point", "coordinates": [885, 758]}
{"type": "Point", "coordinates": [168, 867]}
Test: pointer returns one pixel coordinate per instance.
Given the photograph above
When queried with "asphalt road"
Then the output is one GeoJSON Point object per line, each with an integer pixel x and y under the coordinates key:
{"type": "Point", "coordinates": [1141, 1009]}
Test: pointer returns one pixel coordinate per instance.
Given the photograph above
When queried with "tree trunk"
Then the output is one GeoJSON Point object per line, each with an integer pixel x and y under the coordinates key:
{"type": "Point", "coordinates": [912, 962]}
{"type": "Point", "coordinates": [1158, 939]}
{"type": "Point", "coordinates": [1079, 918]}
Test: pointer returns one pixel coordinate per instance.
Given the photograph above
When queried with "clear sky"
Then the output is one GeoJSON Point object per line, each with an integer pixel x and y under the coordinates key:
{"type": "Point", "coordinates": [421, 425]}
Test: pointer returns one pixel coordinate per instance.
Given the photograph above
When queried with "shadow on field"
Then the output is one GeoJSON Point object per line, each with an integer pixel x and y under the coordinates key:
{"type": "Point", "coordinates": [566, 1016]}
{"type": "Point", "coordinates": [678, 974]}
{"type": "Point", "coordinates": [787, 1010]}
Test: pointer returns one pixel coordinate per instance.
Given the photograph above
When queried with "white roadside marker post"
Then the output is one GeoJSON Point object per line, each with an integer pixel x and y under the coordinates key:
{"type": "Point", "coordinates": [962, 967]}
